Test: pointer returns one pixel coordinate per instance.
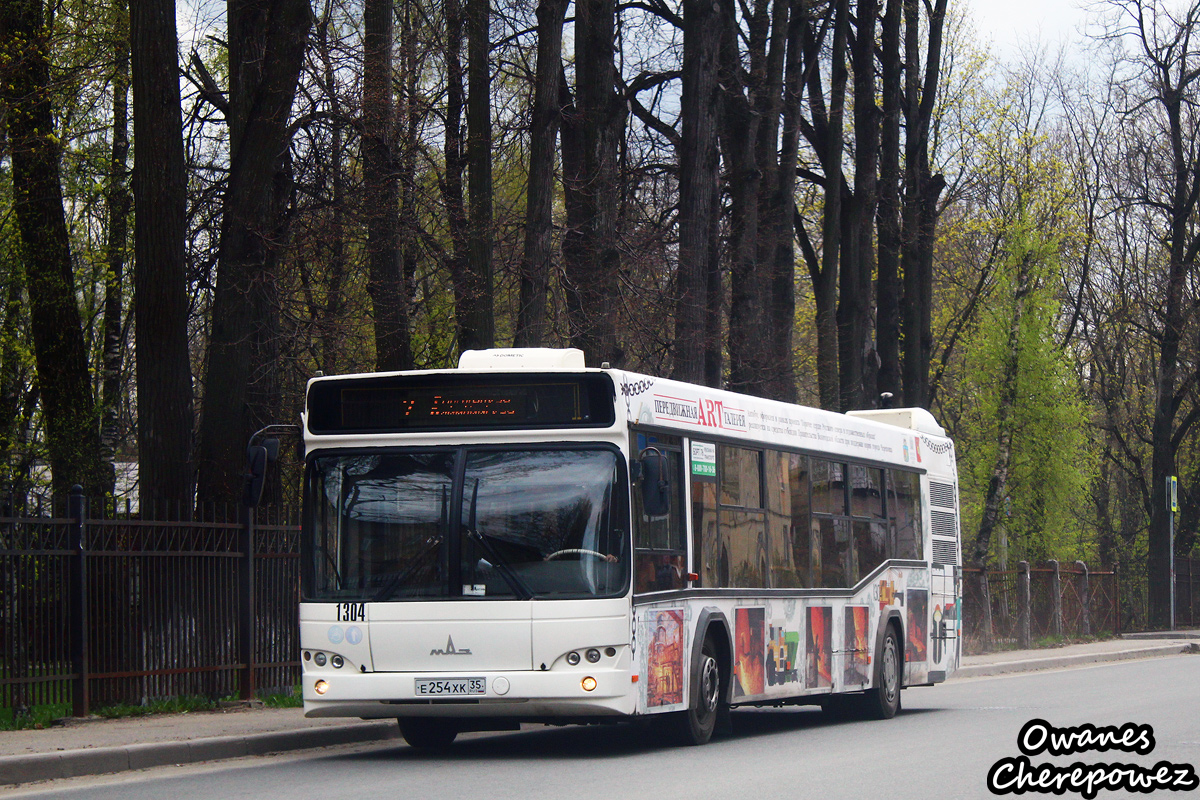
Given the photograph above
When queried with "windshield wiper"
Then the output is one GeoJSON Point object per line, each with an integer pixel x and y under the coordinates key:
{"type": "Point", "coordinates": [432, 544]}
{"type": "Point", "coordinates": [519, 588]}
{"type": "Point", "coordinates": [398, 580]}
{"type": "Point", "coordinates": [501, 566]}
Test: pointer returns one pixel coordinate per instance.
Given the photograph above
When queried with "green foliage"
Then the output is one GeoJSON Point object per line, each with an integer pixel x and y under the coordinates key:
{"type": "Point", "coordinates": [43, 716]}
{"type": "Point", "coordinates": [1051, 465]}
{"type": "Point", "coordinates": [38, 717]}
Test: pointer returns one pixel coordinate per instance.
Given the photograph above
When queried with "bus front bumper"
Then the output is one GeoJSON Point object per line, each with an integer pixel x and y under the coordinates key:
{"type": "Point", "coordinates": [524, 694]}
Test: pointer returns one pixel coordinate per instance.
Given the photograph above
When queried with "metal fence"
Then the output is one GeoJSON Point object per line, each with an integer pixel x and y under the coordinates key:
{"type": "Point", "coordinates": [1016, 607]}
{"type": "Point", "coordinates": [112, 609]}
{"type": "Point", "coordinates": [1187, 592]}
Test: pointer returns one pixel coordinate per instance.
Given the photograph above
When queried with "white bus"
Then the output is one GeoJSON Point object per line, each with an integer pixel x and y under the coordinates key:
{"type": "Point", "coordinates": [524, 539]}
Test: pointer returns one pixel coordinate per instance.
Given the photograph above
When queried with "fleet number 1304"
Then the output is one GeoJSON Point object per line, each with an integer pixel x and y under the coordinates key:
{"type": "Point", "coordinates": [352, 612]}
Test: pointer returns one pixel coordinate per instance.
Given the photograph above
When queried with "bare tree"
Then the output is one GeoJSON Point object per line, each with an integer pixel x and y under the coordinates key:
{"type": "Point", "coordinates": [267, 40]}
{"type": "Point", "coordinates": [531, 327]}
{"type": "Point", "coordinates": [591, 251]}
{"type": "Point", "coordinates": [1163, 177]}
{"type": "Point", "coordinates": [381, 190]}
{"type": "Point", "coordinates": [699, 189]}
{"type": "Point", "coordinates": [69, 407]}
{"type": "Point", "coordinates": [164, 374]}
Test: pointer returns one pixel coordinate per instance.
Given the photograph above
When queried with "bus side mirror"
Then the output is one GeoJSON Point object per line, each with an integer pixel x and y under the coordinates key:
{"type": "Point", "coordinates": [656, 483]}
{"type": "Point", "coordinates": [257, 457]}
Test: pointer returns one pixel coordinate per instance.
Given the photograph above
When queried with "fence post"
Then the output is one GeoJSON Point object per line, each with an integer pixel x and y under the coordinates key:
{"type": "Point", "coordinates": [1085, 599]}
{"type": "Point", "coordinates": [76, 509]}
{"type": "Point", "coordinates": [1056, 621]}
{"type": "Point", "coordinates": [1023, 638]}
{"type": "Point", "coordinates": [1116, 571]}
{"type": "Point", "coordinates": [985, 599]}
{"type": "Point", "coordinates": [246, 606]}
{"type": "Point", "coordinates": [1191, 600]}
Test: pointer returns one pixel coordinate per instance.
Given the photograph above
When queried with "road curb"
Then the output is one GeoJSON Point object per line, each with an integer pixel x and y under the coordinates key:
{"type": "Point", "coordinates": [1058, 662]}
{"type": "Point", "coordinates": [104, 760]}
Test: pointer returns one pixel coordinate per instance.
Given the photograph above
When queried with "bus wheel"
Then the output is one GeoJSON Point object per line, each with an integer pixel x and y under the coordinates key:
{"type": "Point", "coordinates": [700, 720]}
{"type": "Point", "coordinates": [883, 700]}
{"type": "Point", "coordinates": [428, 734]}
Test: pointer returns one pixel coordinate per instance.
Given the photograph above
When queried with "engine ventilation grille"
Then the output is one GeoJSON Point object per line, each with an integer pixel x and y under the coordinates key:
{"type": "Point", "coordinates": [945, 551]}
{"type": "Point", "coordinates": [943, 524]}
{"type": "Point", "coordinates": [941, 494]}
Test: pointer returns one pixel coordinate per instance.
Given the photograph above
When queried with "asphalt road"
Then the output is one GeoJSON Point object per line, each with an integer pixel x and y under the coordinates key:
{"type": "Point", "coordinates": [942, 745]}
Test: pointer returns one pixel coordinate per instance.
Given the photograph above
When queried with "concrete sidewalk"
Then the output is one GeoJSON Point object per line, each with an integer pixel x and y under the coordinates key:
{"type": "Point", "coordinates": [98, 746]}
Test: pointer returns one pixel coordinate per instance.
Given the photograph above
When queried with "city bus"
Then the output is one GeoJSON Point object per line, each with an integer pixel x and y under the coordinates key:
{"type": "Point", "coordinates": [524, 539]}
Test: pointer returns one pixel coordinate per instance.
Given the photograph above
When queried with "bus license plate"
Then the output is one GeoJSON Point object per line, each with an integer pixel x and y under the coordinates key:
{"type": "Point", "coordinates": [450, 687]}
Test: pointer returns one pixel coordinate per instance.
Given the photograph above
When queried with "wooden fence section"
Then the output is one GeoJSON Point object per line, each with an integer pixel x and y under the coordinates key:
{"type": "Point", "coordinates": [98, 611]}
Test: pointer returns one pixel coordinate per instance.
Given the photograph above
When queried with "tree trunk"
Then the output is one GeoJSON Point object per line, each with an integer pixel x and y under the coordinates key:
{"type": "Point", "coordinates": [452, 188]}
{"type": "Point", "coordinates": [69, 408]}
{"type": "Point", "coordinates": [116, 239]}
{"type": "Point", "coordinates": [699, 184]}
{"type": "Point", "coordinates": [18, 400]}
{"type": "Point", "coordinates": [739, 135]}
{"type": "Point", "coordinates": [998, 482]}
{"type": "Point", "coordinates": [922, 190]}
{"type": "Point", "coordinates": [532, 324]}
{"type": "Point", "coordinates": [479, 317]}
{"type": "Point", "coordinates": [858, 265]}
{"type": "Point", "coordinates": [381, 191]}
{"type": "Point", "coordinates": [887, 294]}
{"type": "Point", "coordinates": [266, 51]}
{"type": "Point", "coordinates": [828, 350]}
{"type": "Point", "coordinates": [780, 261]}
{"type": "Point", "coordinates": [412, 115]}
{"type": "Point", "coordinates": [592, 264]}
{"type": "Point", "coordinates": [329, 310]}
{"type": "Point", "coordinates": [1184, 245]}
{"type": "Point", "coordinates": [165, 402]}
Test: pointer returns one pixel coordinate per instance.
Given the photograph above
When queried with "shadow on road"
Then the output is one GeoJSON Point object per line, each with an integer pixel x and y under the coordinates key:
{"type": "Point", "coordinates": [547, 743]}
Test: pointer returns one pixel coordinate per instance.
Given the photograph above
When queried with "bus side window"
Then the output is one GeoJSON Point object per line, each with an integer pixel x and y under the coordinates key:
{"type": "Point", "coordinates": [904, 514]}
{"type": "Point", "coordinates": [870, 530]}
{"type": "Point", "coordinates": [660, 550]}
{"type": "Point", "coordinates": [742, 518]}
{"type": "Point", "coordinates": [705, 545]}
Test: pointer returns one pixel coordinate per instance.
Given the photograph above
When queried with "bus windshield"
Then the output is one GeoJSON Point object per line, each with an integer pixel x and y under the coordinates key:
{"type": "Point", "coordinates": [467, 523]}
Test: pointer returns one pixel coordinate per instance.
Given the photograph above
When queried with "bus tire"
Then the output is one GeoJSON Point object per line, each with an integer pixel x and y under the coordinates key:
{"type": "Point", "coordinates": [427, 733]}
{"type": "Point", "coordinates": [696, 725]}
{"type": "Point", "coordinates": [882, 701]}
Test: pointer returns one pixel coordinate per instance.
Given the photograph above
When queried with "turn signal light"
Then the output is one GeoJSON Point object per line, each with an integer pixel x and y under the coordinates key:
{"type": "Point", "coordinates": [320, 687]}
{"type": "Point", "coordinates": [588, 684]}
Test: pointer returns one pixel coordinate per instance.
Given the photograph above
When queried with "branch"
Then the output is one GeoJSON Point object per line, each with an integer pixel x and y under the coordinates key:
{"type": "Point", "coordinates": [653, 122]}
{"type": "Point", "coordinates": [206, 86]}
{"type": "Point", "coordinates": [658, 9]}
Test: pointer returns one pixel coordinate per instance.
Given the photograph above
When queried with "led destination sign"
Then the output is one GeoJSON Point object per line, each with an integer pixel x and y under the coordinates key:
{"type": "Point", "coordinates": [398, 403]}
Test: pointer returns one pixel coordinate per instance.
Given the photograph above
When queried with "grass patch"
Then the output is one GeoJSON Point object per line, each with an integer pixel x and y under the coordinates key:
{"type": "Point", "coordinates": [174, 705]}
{"type": "Point", "coordinates": [292, 699]}
{"type": "Point", "coordinates": [38, 717]}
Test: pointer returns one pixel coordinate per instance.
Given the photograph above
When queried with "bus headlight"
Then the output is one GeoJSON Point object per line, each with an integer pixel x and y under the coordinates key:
{"type": "Point", "coordinates": [320, 687]}
{"type": "Point", "coordinates": [588, 684]}
{"type": "Point", "coordinates": [572, 658]}
{"type": "Point", "coordinates": [593, 655]}
{"type": "Point", "coordinates": [319, 658]}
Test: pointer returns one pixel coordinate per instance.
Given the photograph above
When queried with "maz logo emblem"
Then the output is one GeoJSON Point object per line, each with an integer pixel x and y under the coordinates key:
{"type": "Point", "coordinates": [450, 650]}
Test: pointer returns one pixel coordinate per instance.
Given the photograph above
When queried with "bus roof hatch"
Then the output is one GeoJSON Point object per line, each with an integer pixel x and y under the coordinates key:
{"type": "Point", "coordinates": [539, 359]}
{"type": "Point", "coordinates": [917, 419]}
